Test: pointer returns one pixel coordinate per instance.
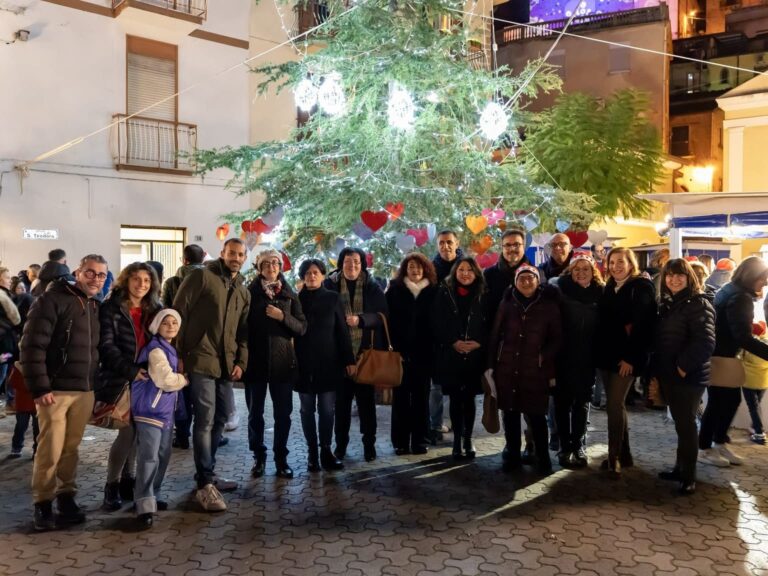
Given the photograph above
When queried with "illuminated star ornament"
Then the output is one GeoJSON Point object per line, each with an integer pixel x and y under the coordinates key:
{"type": "Point", "coordinates": [401, 109]}
{"type": "Point", "coordinates": [493, 121]}
{"type": "Point", "coordinates": [330, 96]}
{"type": "Point", "coordinates": [305, 95]}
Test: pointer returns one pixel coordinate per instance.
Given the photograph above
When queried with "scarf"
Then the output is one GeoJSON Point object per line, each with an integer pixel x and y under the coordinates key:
{"type": "Point", "coordinates": [353, 306]}
{"type": "Point", "coordinates": [271, 289]}
{"type": "Point", "coordinates": [416, 287]}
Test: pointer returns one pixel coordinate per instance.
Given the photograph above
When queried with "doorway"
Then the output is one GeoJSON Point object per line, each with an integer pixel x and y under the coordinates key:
{"type": "Point", "coordinates": [142, 243]}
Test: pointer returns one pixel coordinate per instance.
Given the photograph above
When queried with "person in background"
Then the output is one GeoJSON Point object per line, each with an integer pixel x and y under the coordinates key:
{"type": "Point", "coordinates": [701, 275]}
{"type": "Point", "coordinates": [10, 320]}
{"type": "Point", "coordinates": [448, 250]}
{"type": "Point", "coordinates": [734, 313]}
{"type": "Point", "coordinates": [60, 379]}
{"type": "Point", "coordinates": [756, 384]}
{"type": "Point", "coordinates": [598, 255]}
{"type": "Point", "coordinates": [522, 352]}
{"type": "Point", "coordinates": [125, 317]}
{"type": "Point", "coordinates": [158, 268]}
{"type": "Point", "coordinates": [55, 268]}
{"type": "Point", "coordinates": [708, 261]}
{"type": "Point", "coordinates": [460, 331]}
{"type": "Point", "coordinates": [560, 253]}
{"type": "Point", "coordinates": [363, 301]}
{"type": "Point", "coordinates": [501, 275]}
{"type": "Point", "coordinates": [275, 318]}
{"type": "Point", "coordinates": [324, 354]}
{"type": "Point", "coordinates": [410, 298]}
{"type": "Point", "coordinates": [683, 345]}
{"type": "Point", "coordinates": [722, 274]}
{"type": "Point", "coordinates": [625, 334]}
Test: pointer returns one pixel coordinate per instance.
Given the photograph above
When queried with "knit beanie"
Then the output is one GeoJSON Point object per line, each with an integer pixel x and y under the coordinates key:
{"type": "Point", "coordinates": [527, 269]}
{"type": "Point", "coordinates": [158, 319]}
{"type": "Point", "coordinates": [266, 255]}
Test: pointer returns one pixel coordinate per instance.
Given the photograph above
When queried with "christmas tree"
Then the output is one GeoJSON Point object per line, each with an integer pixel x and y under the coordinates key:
{"type": "Point", "coordinates": [405, 137]}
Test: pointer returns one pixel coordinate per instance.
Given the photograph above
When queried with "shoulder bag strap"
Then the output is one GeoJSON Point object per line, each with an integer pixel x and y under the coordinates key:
{"type": "Point", "coordinates": [386, 331]}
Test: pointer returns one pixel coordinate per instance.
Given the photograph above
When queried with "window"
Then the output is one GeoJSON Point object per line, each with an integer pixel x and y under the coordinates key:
{"type": "Point", "coordinates": [166, 245]}
{"type": "Point", "coordinates": [618, 59]}
{"type": "Point", "coordinates": [679, 145]}
{"type": "Point", "coordinates": [151, 77]}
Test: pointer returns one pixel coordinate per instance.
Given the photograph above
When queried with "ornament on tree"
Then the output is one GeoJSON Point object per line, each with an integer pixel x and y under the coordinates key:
{"type": "Point", "coordinates": [338, 245]}
{"type": "Point", "coordinates": [542, 239]}
{"type": "Point", "coordinates": [286, 261]}
{"type": "Point", "coordinates": [487, 260]}
{"type": "Point", "coordinates": [260, 227]}
{"type": "Point", "coordinates": [369, 260]}
{"type": "Point", "coordinates": [274, 217]}
{"type": "Point", "coordinates": [420, 235]}
{"type": "Point", "coordinates": [481, 245]}
{"type": "Point", "coordinates": [305, 95]}
{"type": "Point", "coordinates": [222, 231]}
{"type": "Point", "coordinates": [531, 222]}
{"type": "Point", "coordinates": [431, 231]}
{"type": "Point", "coordinates": [501, 225]}
{"type": "Point", "coordinates": [562, 225]}
{"type": "Point", "coordinates": [362, 231]}
{"type": "Point", "coordinates": [330, 96]}
{"type": "Point", "coordinates": [405, 242]}
{"type": "Point", "coordinates": [493, 215]}
{"type": "Point", "coordinates": [395, 209]}
{"type": "Point", "coordinates": [401, 110]}
{"type": "Point", "coordinates": [374, 220]}
{"type": "Point", "coordinates": [597, 236]}
{"type": "Point", "coordinates": [476, 224]}
{"type": "Point", "coordinates": [578, 239]}
{"type": "Point", "coordinates": [252, 239]}
{"type": "Point", "coordinates": [493, 121]}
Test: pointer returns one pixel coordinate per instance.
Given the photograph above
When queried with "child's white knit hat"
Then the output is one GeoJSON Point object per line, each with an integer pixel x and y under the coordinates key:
{"type": "Point", "coordinates": [157, 320]}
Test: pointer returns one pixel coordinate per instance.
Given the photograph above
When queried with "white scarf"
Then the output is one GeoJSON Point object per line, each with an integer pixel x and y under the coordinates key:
{"type": "Point", "coordinates": [415, 287]}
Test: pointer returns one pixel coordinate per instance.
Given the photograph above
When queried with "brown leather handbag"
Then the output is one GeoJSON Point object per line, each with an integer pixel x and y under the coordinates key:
{"type": "Point", "coordinates": [380, 368]}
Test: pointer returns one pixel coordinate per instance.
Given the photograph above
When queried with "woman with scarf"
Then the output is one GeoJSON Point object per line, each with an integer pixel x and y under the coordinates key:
{"type": "Point", "coordinates": [581, 287]}
{"type": "Point", "coordinates": [409, 298]}
{"type": "Point", "coordinates": [363, 301]}
{"type": "Point", "coordinates": [274, 319]}
{"type": "Point", "coordinates": [460, 330]}
{"type": "Point", "coordinates": [627, 320]}
{"type": "Point", "coordinates": [685, 339]}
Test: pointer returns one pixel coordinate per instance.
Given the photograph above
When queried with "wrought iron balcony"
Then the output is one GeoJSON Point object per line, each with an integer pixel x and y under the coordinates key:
{"type": "Point", "coordinates": [190, 10]}
{"type": "Point", "coordinates": [153, 145]}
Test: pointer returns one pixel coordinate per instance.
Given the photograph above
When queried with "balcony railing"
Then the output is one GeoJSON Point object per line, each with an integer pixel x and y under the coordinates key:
{"type": "Point", "coordinates": [478, 59]}
{"type": "Point", "coordinates": [307, 15]}
{"type": "Point", "coordinates": [519, 33]}
{"type": "Point", "coordinates": [186, 9]}
{"type": "Point", "coordinates": [154, 145]}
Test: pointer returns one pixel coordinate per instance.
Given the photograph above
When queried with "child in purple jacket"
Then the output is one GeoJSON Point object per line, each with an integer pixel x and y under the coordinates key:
{"type": "Point", "coordinates": [153, 403]}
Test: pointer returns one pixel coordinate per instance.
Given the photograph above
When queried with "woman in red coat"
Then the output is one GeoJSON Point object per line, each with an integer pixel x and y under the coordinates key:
{"type": "Point", "coordinates": [524, 344]}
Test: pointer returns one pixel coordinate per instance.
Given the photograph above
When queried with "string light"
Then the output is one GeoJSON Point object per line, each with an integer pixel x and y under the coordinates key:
{"type": "Point", "coordinates": [493, 121]}
{"type": "Point", "coordinates": [401, 109]}
{"type": "Point", "coordinates": [305, 95]}
{"type": "Point", "coordinates": [330, 96]}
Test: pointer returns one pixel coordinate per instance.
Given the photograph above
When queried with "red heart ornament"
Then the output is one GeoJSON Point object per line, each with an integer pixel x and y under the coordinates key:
{"type": "Point", "coordinates": [395, 210]}
{"type": "Point", "coordinates": [494, 215]}
{"type": "Point", "coordinates": [487, 260]}
{"type": "Point", "coordinates": [260, 227]}
{"type": "Point", "coordinates": [369, 260]}
{"type": "Point", "coordinates": [247, 226]}
{"type": "Point", "coordinates": [577, 239]}
{"type": "Point", "coordinates": [374, 220]}
{"type": "Point", "coordinates": [419, 234]}
{"type": "Point", "coordinates": [222, 231]}
{"type": "Point", "coordinates": [286, 261]}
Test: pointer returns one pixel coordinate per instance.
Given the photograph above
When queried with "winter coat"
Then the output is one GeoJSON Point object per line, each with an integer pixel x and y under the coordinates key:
{"type": "Point", "coordinates": [551, 269]}
{"type": "Point", "coordinates": [49, 272]}
{"type": "Point", "coordinates": [719, 278]}
{"type": "Point", "coordinates": [374, 302]}
{"type": "Point", "coordinates": [213, 305]}
{"type": "Point", "coordinates": [325, 349]}
{"type": "Point", "coordinates": [443, 267]}
{"type": "Point", "coordinates": [270, 342]}
{"type": "Point", "coordinates": [734, 313]}
{"type": "Point", "coordinates": [498, 278]}
{"type": "Point", "coordinates": [453, 371]}
{"type": "Point", "coordinates": [59, 349]}
{"type": "Point", "coordinates": [23, 304]}
{"type": "Point", "coordinates": [627, 322]}
{"type": "Point", "coordinates": [118, 348]}
{"type": "Point", "coordinates": [171, 286]}
{"type": "Point", "coordinates": [685, 339]}
{"type": "Point", "coordinates": [523, 348]}
{"type": "Point", "coordinates": [577, 360]}
{"type": "Point", "coordinates": [153, 400]}
{"type": "Point", "coordinates": [10, 321]}
{"type": "Point", "coordinates": [410, 322]}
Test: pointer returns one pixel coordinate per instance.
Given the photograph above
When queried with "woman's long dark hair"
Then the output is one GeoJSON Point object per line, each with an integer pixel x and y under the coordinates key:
{"type": "Point", "coordinates": [151, 301]}
{"type": "Point", "coordinates": [679, 266]}
{"type": "Point", "coordinates": [478, 284]}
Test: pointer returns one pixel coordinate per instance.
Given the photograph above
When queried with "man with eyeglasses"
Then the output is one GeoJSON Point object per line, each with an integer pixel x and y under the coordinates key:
{"type": "Point", "coordinates": [59, 357]}
{"type": "Point", "coordinates": [501, 275]}
{"type": "Point", "coordinates": [560, 254]}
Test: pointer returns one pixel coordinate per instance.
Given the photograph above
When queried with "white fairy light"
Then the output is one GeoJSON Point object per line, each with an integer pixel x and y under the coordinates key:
{"type": "Point", "coordinates": [433, 97]}
{"type": "Point", "coordinates": [401, 110]}
{"type": "Point", "coordinates": [330, 96]}
{"type": "Point", "coordinates": [493, 121]}
{"type": "Point", "coordinates": [305, 95]}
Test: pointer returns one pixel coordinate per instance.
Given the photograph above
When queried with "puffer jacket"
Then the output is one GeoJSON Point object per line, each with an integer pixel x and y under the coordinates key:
{"type": "Point", "coordinates": [456, 372]}
{"type": "Point", "coordinates": [498, 278]}
{"type": "Point", "coordinates": [271, 355]}
{"type": "Point", "coordinates": [523, 348]}
{"type": "Point", "coordinates": [213, 305]}
{"type": "Point", "coordinates": [577, 360]}
{"type": "Point", "coordinates": [627, 323]}
{"type": "Point", "coordinates": [734, 313]}
{"type": "Point", "coordinates": [59, 348]}
{"type": "Point", "coordinates": [49, 272]}
{"type": "Point", "coordinates": [151, 403]}
{"type": "Point", "coordinates": [685, 339]}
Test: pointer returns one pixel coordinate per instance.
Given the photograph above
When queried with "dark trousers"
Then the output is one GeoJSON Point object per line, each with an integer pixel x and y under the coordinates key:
{"type": "Point", "coordinates": [753, 398]}
{"type": "Point", "coordinates": [282, 406]}
{"type": "Point", "coordinates": [722, 404]}
{"type": "Point", "coordinates": [22, 424]}
{"type": "Point", "coordinates": [410, 408]}
{"type": "Point", "coordinates": [461, 408]}
{"type": "Point", "coordinates": [571, 413]}
{"type": "Point", "coordinates": [683, 404]}
{"type": "Point", "coordinates": [184, 425]}
{"type": "Point", "coordinates": [366, 410]}
{"type": "Point", "coordinates": [616, 389]}
{"type": "Point", "coordinates": [326, 408]}
{"type": "Point", "coordinates": [538, 426]}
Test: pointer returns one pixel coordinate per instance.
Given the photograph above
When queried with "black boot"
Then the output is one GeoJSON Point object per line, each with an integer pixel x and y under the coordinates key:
{"type": "Point", "coordinates": [313, 460]}
{"type": "Point", "coordinates": [68, 510]}
{"type": "Point", "coordinates": [283, 470]}
{"type": "Point", "coordinates": [457, 453]}
{"type": "Point", "coordinates": [145, 521]}
{"type": "Point", "coordinates": [469, 448]}
{"type": "Point", "coordinates": [112, 500]}
{"type": "Point", "coordinates": [258, 466]}
{"type": "Point", "coordinates": [44, 519]}
{"type": "Point", "coordinates": [126, 487]}
{"type": "Point", "coordinates": [369, 452]}
{"type": "Point", "coordinates": [328, 460]}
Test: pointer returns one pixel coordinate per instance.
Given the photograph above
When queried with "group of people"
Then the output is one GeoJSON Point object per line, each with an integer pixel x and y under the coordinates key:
{"type": "Point", "coordinates": [534, 338]}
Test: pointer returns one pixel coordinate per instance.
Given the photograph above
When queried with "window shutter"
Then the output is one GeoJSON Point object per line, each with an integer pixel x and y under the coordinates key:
{"type": "Point", "coordinates": [151, 79]}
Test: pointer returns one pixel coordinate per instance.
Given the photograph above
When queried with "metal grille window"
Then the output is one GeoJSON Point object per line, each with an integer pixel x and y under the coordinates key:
{"type": "Point", "coordinates": [679, 143]}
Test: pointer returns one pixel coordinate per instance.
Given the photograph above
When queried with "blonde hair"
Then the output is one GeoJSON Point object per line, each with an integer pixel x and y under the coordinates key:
{"type": "Point", "coordinates": [630, 257]}
{"type": "Point", "coordinates": [596, 274]}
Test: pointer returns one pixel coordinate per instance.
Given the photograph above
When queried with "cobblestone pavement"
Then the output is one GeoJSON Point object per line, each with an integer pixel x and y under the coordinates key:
{"type": "Point", "coordinates": [408, 515]}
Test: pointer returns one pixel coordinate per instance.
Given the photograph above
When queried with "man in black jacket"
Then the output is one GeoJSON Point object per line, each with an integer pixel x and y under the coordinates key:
{"type": "Point", "coordinates": [59, 357]}
{"type": "Point", "coordinates": [560, 253]}
{"type": "Point", "coordinates": [501, 275]}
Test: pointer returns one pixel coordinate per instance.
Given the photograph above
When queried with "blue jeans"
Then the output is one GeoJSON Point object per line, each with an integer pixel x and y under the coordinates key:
{"type": "Point", "coordinates": [211, 408]}
{"type": "Point", "coordinates": [753, 399]}
{"type": "Point", "coordinates": [153, 452]}
{"type": "Point", "coordinates": [282, 406]}
{"type": "Point", "coordinates": [435, 406]}
{"type": "Point", "coordinates": [22, 424]}
{"type": "Point", "coordinates": [326, 408]}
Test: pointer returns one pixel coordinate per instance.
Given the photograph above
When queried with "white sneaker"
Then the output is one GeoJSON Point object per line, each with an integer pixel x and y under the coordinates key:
{"type": "Point", "coordinates": [210, 499]}
{"type": "Point", "coordinates": [713, 457]}
{"type": "Point", "coordinates": [728, 453]}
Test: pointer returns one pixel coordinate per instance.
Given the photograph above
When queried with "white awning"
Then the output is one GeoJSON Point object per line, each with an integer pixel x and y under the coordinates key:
{"type": "Point", "coordinates": [684, 204]}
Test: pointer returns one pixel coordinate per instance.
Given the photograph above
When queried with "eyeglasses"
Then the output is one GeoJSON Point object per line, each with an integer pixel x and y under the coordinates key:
{"type": "Point", "coordinates": [272, 263]}
{"type": "Point", "coordinates": [512, 245]}
{"type": "Point", "coordinates": [93, 275]}
{"type": "Point", "coordinates": [559, 244]}
{"type": "Point", "coordinates": [526, 278]}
